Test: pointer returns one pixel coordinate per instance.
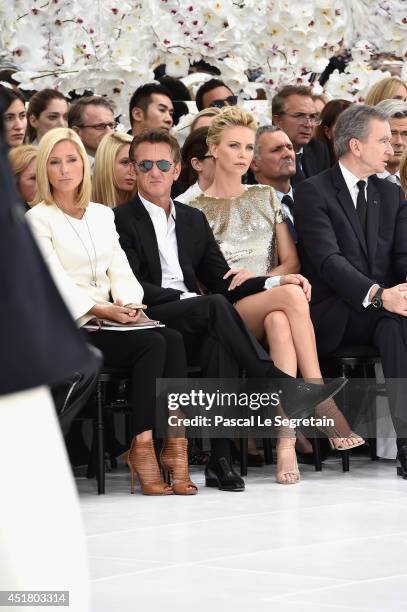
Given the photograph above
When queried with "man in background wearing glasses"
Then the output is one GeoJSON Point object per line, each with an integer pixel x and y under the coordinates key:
{"type": "Point", "coordinates": [294, 112]}
{"type": "Point", "coordinates": [214, 93]}
{"type": "Point", "coordinates": [92, 117]}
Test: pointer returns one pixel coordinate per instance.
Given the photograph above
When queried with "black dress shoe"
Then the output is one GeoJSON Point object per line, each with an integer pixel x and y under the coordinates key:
{"type": "Point", "coordinates": [253, 460]}
{"type": "Point", "coordinates": [402, 457]}
{"type": "Point", "coordinates": [220, 474]}
{"type": "Point", "coordinates": [299, 398]}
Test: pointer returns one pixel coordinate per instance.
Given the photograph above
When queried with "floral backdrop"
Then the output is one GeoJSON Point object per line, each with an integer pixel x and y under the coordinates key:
{"type": "Point", "coordinates": [112, 47]}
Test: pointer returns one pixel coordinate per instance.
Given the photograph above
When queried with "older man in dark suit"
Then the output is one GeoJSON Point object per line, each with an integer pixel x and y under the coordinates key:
{"type": "Point", "coordinates": [294, 112]}
{"type": "Point", "coordinates": [352, 229]}
{"type": "Point", "coordinates": [171, 250]}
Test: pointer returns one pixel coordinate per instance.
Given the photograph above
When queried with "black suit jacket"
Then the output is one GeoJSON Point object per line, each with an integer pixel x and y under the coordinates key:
{"type": "Point", "coordinates": [39, 342]}
{"type": "Point", "coordinates": [339, 261]}
{"type": "Point", "coordinates": [199, 255]}
{"type": "Point", "coordinates": [315, 159]}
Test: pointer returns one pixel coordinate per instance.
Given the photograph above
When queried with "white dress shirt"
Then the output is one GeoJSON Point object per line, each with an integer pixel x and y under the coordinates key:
{"type": "Point", "coordinates": [69, 246]}
{"type": "Point", "coordinates": [172, 275]}
{"type": "Point", "coordinates": [392, 178]}
{"type": "Point", "coordinates": [351, 182]}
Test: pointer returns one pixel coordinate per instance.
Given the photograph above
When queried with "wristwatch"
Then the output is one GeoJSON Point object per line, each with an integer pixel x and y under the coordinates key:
{"type": "Point", "coordinates": [377, 301]}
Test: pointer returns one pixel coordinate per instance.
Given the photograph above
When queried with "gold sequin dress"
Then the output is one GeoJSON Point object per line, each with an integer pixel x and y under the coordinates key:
{"type": "Point", "coordinates": [245, 226]}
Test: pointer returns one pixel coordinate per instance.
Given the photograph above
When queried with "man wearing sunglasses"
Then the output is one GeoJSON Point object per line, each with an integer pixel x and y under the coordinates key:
{"type": "Point", "coordinates": [295, 113]}
{"type": "Point", "coordinates": [171, 250]}
{"type": "Point", "coordinates": [214, 93]}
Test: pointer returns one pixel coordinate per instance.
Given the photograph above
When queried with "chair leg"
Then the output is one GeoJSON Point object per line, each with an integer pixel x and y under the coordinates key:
{"type": "Point", "coordinates": [317, 454]}
{"type": "Point", "coordinates": [100, 473]}
{"type": "Point", "coordinates": [244, 449]}
{"type": "Point", "coordinates": [268, 451]}
{"type": "Point", "coordinates": [345, 460]}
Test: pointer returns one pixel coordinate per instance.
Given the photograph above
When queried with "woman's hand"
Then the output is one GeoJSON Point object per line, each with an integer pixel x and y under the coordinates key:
{"type": "Point", "coordinates": [117, 312]}
{"type": "Point", "coordinates": [240, 275]}
{"type": "Point", "coordinates": [297, 279]}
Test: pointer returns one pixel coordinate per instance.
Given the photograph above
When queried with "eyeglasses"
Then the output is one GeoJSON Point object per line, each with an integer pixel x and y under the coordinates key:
{"type": "Point", "coordinates": [101, 127]}
{"type": "Point", "coordinates": [230, 100]}
{"type": "Point", "coordinates": [206, 157]}
{"type": "Point", "coordinates": [314, 118]}
{"type": "Point", "coordinates": [147, 164]}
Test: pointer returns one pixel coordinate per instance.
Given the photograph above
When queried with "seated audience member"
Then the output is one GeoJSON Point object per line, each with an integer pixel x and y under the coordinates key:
{"type": "Point", "coordinates": [396, 112]}
{"type": "Point", "coordinates": [170, 248]}
{"type": "Point", "coordinates": [214, 93]}
{"type": "Point", "coordinates": [91, 117]}
{"type": "Point", "coordinates": [325, 130]}
{"type": "Point", "coordinates": [204, 118]}
{"type": "Point", "coordinates": [274, 164]}
{"type": "Point", "coordinates": [248, 224]}
{"type": "Point", "coordinates": [114, 180]}
{"type": "Point", "coordinates": [23, 162]}
{"type": "Point", "coordinates": [198, 168]}
{"type": "Point", "coordinates": [151, 106]}
{"type": "Point", "coordinates": [12, 107]}
{"type": "Point", "coordinates": [387, 89]}
{"type": "Point", "coordinates": [47, 109]}
{"type": "Point", "coordinates": [294, 112]}
{"type": "Point", "coordinates": [353, 246]}
{"type": "Point", "coordinates": [79, 242]}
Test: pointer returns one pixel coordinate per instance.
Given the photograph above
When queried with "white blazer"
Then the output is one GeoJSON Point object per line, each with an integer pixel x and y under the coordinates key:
{"type": "Point", "coordinates": [72, 264]}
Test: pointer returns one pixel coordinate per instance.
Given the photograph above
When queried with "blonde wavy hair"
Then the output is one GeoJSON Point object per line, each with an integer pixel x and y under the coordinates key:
{"type": "Point", "coordinates": [20, 157]}
{"type": "Point", "coordinates": [45, 147]}
{"type": "Point", "coordinates": [229, 116]}
{"type": "Point", "coordinates": [383, 90]}
{"type": "Point", "coordinates": [104, 189]}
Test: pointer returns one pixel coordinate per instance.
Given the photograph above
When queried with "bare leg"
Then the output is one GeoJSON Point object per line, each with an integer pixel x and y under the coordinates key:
{"type": "Point", "coordinates": [290, 300]}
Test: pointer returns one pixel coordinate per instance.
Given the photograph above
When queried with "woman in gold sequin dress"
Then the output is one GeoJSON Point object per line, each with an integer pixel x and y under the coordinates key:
{"type": "Point", "coordinates": [249, 225]}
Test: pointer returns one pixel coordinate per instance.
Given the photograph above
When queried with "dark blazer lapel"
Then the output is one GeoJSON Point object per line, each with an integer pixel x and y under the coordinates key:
{"type": "Point", "coordinates": [348, 206]}
{"type": "Point", "coordinates": [373, 213]}
{"type": "Point", "coordinates": [185, 233]}
{"type": "Point", "coordinates": [148, 240]}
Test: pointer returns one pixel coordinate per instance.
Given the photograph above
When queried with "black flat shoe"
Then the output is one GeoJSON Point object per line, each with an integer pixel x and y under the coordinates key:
{"type": "Point", "coordinates": [220, 474]}
{"type": "Point", "coordinates": [299, 398]}
{"type": "Point", "coordinates": [402, 457]}
{"type": "Point", "coordinates": [309, 459]}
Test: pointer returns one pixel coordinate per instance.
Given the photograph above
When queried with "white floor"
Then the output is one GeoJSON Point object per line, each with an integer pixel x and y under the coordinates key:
{"type": "Point", "coordinates": [333, 543]}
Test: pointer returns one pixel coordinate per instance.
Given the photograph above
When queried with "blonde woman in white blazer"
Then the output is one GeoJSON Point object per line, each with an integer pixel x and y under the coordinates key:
{"type": "Point", "coordinates": [79, 242]}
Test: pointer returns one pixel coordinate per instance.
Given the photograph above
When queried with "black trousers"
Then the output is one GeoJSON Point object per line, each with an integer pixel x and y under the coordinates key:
{"type": "Point", "coordinates": [149, 354]}
{"type": "Point", "coordinates": [216, 337]}
{"type": "Point", "coordinates": [385, 331]}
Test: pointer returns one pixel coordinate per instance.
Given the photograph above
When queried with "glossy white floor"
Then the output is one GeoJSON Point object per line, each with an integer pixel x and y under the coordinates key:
{"type": "Point", "coordinates": [333, 543]}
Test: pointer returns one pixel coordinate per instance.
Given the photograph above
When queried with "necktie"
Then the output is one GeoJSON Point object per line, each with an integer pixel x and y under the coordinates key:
{"type": "Point", "coordinates": [300, 174]}
{"type": "Point", "coordinates": [361, 204]}
{"type": "Point", "coordinates": [288, 201]}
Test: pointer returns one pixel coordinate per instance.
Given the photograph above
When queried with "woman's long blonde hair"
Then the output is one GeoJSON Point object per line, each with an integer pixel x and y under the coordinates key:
{"type": "Point", "coordinates": [104, 189]}
{"type": "Point", "coordinates": [47, 143]}
{"type": "Point", "coordinates": [383, 90]}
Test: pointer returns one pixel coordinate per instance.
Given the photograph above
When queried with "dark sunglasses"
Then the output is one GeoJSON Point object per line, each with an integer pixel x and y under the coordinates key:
{"type": "Point", "coordinates": [230, 100]}
{"type": "Point", "coordinates": [147, 164]}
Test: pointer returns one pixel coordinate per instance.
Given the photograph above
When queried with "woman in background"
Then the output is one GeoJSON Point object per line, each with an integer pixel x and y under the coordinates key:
{"type": "Point", "coordinates": [249, 226]}
{"type": "Point", "coordinates": [198, 167]}
{"type": "Point", "coordinates": [386, 89]}
{"type": "Point", "coordinates": [325, 130]}
{"type": "Point", "coordinates": [23, 161]}
{"type": "Point", "coordinates": [12, 106]}
{"type": "Point", "coordinates": [79, 242]}
{"type": "Point", "coordinates": [114, 179]}
{"type": "Point", "coordinates": [47, 109]}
